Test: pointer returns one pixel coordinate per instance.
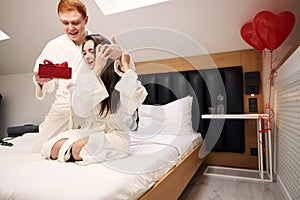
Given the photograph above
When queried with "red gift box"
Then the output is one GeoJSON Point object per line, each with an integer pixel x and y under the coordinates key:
{"type": "Point", "coordinates": [48, 69]}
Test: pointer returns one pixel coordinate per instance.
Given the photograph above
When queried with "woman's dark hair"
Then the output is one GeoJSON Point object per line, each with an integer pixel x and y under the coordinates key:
{"type": "Point", "coordinates": [108, 77]}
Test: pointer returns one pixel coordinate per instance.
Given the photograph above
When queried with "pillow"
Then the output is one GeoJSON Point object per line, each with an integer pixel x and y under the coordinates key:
{"type": "Point", "coordinates": [174, 118]}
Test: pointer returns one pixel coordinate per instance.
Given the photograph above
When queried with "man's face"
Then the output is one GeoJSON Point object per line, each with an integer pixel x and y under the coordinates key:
{"type": "Point", "coordinates": [74, 25]}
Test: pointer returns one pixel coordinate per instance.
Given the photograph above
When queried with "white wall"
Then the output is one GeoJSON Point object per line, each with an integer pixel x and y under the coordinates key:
{"type": "Point", "coordinates": [286, 133]}
{"type": "Point", "coordinates": [19, 105]}
{"type": "Point", "coordinates": [214, 24]}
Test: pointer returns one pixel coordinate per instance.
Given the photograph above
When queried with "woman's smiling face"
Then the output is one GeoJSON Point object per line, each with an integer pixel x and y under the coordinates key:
{"type": "Point", "coordinates": [88, 53]}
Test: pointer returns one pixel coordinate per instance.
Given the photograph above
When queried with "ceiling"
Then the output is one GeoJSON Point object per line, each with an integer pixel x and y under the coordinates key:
{"type": "Point", "coordinates": [170, 29]}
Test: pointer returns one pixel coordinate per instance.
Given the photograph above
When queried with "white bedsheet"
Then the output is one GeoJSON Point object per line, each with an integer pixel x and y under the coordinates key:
{"type": "Point", "coordinates": [28, 176]}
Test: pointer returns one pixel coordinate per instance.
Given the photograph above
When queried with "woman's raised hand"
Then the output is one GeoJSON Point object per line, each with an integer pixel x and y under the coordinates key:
{"type": "Point", "coordinates": [125, 60]}
{"type": "Point", "coordinates": [102, 54]}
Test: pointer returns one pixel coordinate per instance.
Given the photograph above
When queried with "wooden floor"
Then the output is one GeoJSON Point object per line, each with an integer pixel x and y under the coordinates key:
{"type": "Point", "coordinates": [204, 187]}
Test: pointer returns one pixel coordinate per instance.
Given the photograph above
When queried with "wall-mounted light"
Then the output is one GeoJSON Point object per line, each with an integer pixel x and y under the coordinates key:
{"type": "Point", "coordinates": [252, 81]}
{"type": "Point", "coordinates": [3, 36]}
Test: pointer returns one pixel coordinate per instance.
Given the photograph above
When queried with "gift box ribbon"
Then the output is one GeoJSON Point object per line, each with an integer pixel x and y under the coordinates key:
{"type": "Point", "coordinates": [48, 62]}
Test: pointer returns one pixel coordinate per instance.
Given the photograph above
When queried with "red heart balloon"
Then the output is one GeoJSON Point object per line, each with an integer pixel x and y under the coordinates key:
{"type": "Point", "coordinates": [250, 36]}
{"type": "Point", "coordinates": [273, 29]}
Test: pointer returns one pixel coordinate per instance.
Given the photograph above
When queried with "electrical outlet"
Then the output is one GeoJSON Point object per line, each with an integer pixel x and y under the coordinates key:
{"type": "Point", "coordinates": [253, 151]}
{"type": "Point", "coordinates": [252, 104]}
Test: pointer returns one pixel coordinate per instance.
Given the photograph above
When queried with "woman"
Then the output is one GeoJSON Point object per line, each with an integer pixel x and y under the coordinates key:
{"type": "Point", "coordinates": [104, 106]}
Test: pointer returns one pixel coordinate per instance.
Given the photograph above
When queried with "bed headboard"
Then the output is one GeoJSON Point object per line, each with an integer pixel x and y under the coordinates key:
{"type": "Point", "coordinates": [204, 86]}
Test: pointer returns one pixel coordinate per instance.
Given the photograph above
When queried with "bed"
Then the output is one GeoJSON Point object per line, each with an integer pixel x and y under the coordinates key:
{"type": "Point", "coordinates": [154, 153]}
{"type": "Point", "coordinates": [25, 175]}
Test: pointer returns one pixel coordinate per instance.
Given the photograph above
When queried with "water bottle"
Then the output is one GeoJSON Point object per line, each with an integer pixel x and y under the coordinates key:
{"type": "Point", "coordinates": [220, 104]}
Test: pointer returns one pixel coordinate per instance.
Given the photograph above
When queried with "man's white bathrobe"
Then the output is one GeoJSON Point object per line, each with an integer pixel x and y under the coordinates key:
{"type": "Point", "coordinates": [59, 118]}
{"type": "Point", "coordinates": [108, 135]}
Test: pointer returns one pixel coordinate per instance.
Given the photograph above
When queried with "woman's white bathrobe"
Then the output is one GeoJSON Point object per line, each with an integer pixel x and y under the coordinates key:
{"type": "Point", "coordinates": [108, 136]}
{"type": "Point", "coordinates": [58, 50]}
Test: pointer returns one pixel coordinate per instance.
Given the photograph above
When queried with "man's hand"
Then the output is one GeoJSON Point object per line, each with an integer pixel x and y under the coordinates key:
{"type": "Point", "coordinates": [116, 51]}
{"type": "Point", "coordinates": [41, 80]}
{"type": "Point", "coordinates": [102, 55]}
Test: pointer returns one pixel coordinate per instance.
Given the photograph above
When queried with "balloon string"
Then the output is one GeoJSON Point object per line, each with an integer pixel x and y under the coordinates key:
{"type": "Point", "coordinates": [267, 126]}
{"type": "Point", "coordinates": [266, 123]}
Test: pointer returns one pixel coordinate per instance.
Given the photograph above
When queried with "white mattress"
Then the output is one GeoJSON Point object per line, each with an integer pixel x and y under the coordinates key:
{"type": "Point", "coordinates": [28, 176]}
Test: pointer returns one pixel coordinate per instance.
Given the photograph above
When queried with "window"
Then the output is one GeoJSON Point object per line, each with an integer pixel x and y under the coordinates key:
{"type": "Point", "coordinates": [109, 7]}
{"type": "Point", "coordinates": [3, 36]}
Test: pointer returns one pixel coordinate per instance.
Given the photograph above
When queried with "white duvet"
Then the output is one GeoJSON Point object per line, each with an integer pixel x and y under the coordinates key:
{"type": "Point", "coordinates": [28, 176]}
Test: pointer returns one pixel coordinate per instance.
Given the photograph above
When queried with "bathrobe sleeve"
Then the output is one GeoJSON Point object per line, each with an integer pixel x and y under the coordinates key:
{"type": "Point", "coordinates": [132, 95]}
{"type": "Point", "coordinates": [132, 92]}
{"type": "Point", "coordinates": [88, 92]}
{"type": "Point", "coordinates": [49, 86]}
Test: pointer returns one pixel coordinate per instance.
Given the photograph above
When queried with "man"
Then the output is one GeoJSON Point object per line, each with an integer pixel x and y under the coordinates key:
{"type": "Point", "coordinates": [65, 48]}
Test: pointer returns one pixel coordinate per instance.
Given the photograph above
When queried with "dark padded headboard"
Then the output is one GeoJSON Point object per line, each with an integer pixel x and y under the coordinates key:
{"type": "Point", "coordinates": [204, 86]}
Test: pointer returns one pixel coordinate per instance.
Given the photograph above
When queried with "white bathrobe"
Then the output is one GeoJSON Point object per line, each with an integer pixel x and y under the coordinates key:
{"type": "Point", "coordinates": [58, 119]}
{"type": "Point", "coordinates": [108, 136]}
